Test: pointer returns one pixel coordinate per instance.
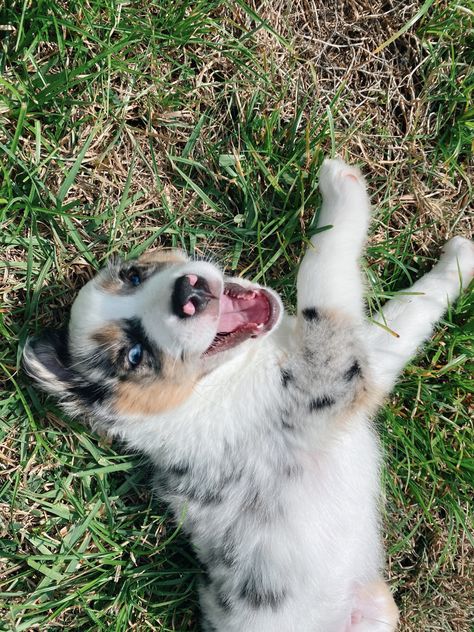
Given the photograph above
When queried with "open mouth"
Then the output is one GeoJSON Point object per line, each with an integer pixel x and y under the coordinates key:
{"type": "Point", "coordinates": [244, 313]}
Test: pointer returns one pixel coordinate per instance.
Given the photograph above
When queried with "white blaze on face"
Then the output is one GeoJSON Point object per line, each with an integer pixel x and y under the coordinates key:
{"type": "Point", "coordinates": [172, 333]}
{"type": "Point", "coordinates": [96, 306]}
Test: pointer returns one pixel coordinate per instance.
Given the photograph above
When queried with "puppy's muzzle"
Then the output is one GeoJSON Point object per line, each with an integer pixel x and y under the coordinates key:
{"type": "Point", "coordinates": [190, 296]}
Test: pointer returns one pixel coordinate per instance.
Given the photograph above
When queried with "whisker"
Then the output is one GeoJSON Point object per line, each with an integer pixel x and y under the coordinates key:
{"type": "Point", "coordinates": [100, 351]}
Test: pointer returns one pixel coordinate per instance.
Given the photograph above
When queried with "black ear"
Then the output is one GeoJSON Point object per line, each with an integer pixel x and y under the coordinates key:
{"type": "Point", "coordinates": [46, 360]}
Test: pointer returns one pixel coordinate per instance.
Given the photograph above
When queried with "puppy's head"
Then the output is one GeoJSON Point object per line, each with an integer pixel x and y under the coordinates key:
{"type": "Point", "coordinates": [142, 333]}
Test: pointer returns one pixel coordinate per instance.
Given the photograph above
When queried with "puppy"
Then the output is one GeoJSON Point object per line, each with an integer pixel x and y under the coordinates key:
{"type": "Point", "coordinates": [258, 424]}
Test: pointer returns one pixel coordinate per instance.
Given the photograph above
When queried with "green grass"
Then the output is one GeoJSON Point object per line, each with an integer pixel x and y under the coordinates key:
{"type": "Point", "coordinates": [129, 125]}
{"type": "Point", "coordinates": [449, 41]}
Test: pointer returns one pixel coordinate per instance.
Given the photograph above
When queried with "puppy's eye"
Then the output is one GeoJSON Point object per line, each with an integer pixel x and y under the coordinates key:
{"type": "Point", "coordinates": [135, 355]}
{"type": "Point", "coordinates": [133, 276]}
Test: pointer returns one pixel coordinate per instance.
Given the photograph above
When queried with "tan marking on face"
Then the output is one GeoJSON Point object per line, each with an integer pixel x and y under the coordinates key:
{"type": "Point", "coordinates": [160, 255]}
{"type": "Point", "coordinates": [134, 398]}
{"type": "Point", "coordinates": [108, 335]}
{"type": "Point", "coordinates": [110, 284]}
{"type": "Point", "coordinates": [173, 387]}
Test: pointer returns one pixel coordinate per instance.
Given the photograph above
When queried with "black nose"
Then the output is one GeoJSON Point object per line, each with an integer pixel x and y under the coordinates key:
{"type": "Point", "coordinates": [190, 295]}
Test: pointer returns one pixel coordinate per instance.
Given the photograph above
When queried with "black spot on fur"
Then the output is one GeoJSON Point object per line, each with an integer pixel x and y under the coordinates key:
{"type": "Point", "coordinates": [354, 371]}
{"type": "Point", "coordinates": [286, 424]}
{"type": "Point", "coordinates": [135, 331]}
{"type": "Point", "coordinates": [195, 484]}
{"type": "Point", "coordinates": [286, 377]}
{"type": "Point", "coordinates": [223, 600]}
{"type": "Point", "coordinates": [319, 403]}
{"type": "Point", "coordinates": [183, 484]}
{"type": "Point", "coordinates": [212, 491]}
{"type": "Point", "coordinates": [259, 596]}
{"type": "Point", "coordinates": [208, 497]}
{"type": "Point", "coordinates": [90, 394]}
{"type": "Point", "coordinates": [311, 314]}
{"type": "Point", "coordinates": [179, 469]}
{"type": "Point", "coordinates": [102, 361]}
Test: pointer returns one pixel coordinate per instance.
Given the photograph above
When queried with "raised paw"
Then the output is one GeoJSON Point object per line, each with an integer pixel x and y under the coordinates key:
{"type": "Point", "coordinates": [458, 258]}
{"type": "Point", "coordinates": [345, 201]}
{"type": "Point", "coordinates": [336, 179]}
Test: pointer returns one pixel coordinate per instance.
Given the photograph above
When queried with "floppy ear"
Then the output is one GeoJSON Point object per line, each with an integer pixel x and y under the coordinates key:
{"type": "Point", "coordinates": [46, 360]}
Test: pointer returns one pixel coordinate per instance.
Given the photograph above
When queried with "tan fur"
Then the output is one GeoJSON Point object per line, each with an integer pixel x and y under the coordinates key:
{"type": "Point", "coordinates": [160, 395]}
{"type": "Point", "coordinates": [108, 335]}
{"type": "Point", "coordinates": [369, 397]}
{"type": "Point", "coordinates": [338, 318]}
{"type": "Point", "coordinates": [110, 284]}
{"type": "Point", "coordinates": [160, 255]}
{"type": "Point", "coordinates": [171, 389]}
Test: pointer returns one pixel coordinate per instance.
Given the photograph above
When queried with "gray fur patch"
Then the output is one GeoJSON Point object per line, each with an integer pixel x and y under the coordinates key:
{"type": "Point", "coordinates": [319, 403]}
{"type": "Point", "coordinates": [286, 377]}
{"type": "Point", "coordinates": [259, 596]}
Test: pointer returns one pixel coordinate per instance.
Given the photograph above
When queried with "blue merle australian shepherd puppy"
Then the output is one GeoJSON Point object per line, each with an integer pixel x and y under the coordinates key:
{"type": "Point", "coordinates": [258, 423]}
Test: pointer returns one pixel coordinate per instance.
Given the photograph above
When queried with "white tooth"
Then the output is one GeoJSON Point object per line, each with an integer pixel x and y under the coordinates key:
{"type": "Point", "coordinates": [259, 326]}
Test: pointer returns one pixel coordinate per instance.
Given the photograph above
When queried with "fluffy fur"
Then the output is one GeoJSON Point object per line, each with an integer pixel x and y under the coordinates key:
{"type": "Point", "coordinates": [261, 437]}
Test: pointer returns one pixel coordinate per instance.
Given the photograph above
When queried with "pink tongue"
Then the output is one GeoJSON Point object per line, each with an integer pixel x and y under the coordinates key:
{"type": "Point", "coordinates": [236, 313]}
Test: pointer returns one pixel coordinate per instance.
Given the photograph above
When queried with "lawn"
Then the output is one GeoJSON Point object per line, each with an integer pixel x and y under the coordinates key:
{"type": "Point", "coordinates": [126, 125]}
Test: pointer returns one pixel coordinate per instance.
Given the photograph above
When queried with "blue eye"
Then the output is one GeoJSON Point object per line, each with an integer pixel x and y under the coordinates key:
{"type": "Point", "coordinates": [134, 278]}
{"type": "Point", "coordinates": [135, 354]}
{"type": "Point", "coordinates": [131, 275]}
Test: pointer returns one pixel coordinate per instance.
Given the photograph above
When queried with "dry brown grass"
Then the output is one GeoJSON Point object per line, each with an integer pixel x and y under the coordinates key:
{"type": "Point", "coordinates": [382, 118]}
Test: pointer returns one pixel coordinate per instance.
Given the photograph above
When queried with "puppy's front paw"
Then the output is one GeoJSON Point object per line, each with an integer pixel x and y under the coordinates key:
{"type": "Point", "coordinates": [337, 179]}
{"type": "Point", "coordinates": [458, 257]}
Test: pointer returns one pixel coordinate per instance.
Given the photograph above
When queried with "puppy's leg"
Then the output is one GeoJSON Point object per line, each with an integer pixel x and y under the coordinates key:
{"type": "Point", "coordinates": [331, 365]}
{"type": "Point", "coordinates": [374, 609]}
{"type": "Point", "coordinates": [329, 277]}
{"type": "Point", "coordinates": [411, 317]}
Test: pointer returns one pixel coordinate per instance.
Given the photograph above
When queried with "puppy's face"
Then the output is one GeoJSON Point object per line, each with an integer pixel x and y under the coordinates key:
{"type": "Point", "coordinates": [144, 332]}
